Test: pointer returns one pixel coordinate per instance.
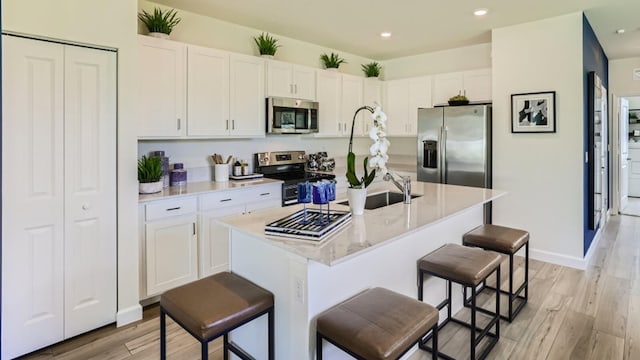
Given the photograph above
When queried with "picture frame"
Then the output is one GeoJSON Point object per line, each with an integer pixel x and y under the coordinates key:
{"type": "Point", "coordinates": [533, 112]}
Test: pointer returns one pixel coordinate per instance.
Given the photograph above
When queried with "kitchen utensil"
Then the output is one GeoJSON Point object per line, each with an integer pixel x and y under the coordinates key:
{"type": "Point", "coordinates": [229, 159]}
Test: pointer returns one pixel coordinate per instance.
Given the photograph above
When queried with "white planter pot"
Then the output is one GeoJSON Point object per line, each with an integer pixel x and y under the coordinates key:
{"type": "Point", "coordinates": [332, 69]}
{"type": "Point", "coordinates": [150, 188]}
{"type": "Point", "coordinates": [357, 198]}
{"type": "Point", "coordinates": [159, 35]}
{"type": "Point", "coordinates": [267, 56]}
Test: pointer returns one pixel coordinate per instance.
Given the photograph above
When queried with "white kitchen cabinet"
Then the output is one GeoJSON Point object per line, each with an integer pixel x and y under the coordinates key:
{"type": "Point", "coordinates": [352, 99]}
{"type": "Point", "coordinates": [208, 92]}
{"type": "Point", "coordinates": [171, 250]}
{"type": "Point", "coordinates": [634, 171]}
{"type": "Point", "coordinates": [58, 186]}
{"type": "Point", "coordinates": [162, 91]}
{"type": "Point", "coordinates": [474, 84]}
{"type": "Point", "coordinates": [372, 94]}
{"type": "Point", "coordinates": [329, 96]}
{"type": "Point", "coordinates": [291, 81]}
{"type": "Point", "coordinates": [403, 97]}
{"type": "Point", "coordinates": [214, 238]}
{"type": "Point", "coordinates": [246, 97]}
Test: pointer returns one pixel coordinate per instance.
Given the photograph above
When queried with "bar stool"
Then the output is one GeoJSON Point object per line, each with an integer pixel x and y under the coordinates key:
{"type": "Point", "coordinates": [214, 306]}
{"type": "Point", "coordinates": [507, 241]}
{"type": "Point", "coordinates": [468, 267]}
{"type": "Point", "coordinates": [377, 324]}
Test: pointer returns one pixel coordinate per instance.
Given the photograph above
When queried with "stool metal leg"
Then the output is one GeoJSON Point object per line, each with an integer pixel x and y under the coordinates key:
{"type": "Point", "coordinates": [271, 320]}
{"type": "Point", "coordinates": [511, 295]}
{"type": "Point", "coordinates": [205, 350]}
{"type": "Point", "coordinates": [225, 346]}
{"type": "Point", "coordinates": [420, 284]}
{"type": "Point", "coordinates": [318, 346]}
{"type": "Point", "coordinates": [163, 335]}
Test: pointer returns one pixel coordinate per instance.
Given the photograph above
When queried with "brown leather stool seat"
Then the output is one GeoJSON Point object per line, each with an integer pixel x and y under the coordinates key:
{"type": "Point", "coordinates": [214, 306]}
{"type": "Point", "coordinates": [468, 267]}
{"type": "Point", "coordinates": [507, 241]}
{"type": "Point", "coordinates": [376, 324]}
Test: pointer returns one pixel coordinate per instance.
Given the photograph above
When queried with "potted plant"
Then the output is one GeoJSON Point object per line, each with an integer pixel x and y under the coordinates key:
{"type": "Point", "coordinates": [332, 61]}
{"type": "Point", "coordinates": [371, 69]}
{"type": "Point", "coordinates": [458, 100]}
{"type": "Point", "coordinates": [149, 175]}
{"type": "Point", "coordinates": [357, 191]}
{"type": "Point", "coordinates": [267, 44]}
{"type": "Point", "coordinates": [159, 23]}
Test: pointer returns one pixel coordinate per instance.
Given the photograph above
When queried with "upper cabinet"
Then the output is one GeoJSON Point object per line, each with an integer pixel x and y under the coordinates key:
{"type": "Point", "coordinates": [162, 98]}
{"type": "Point", "coordinates": [352, 99]}
{"type": "Point", "coordinates": [475, 84]}
{"type": "Point", "coordinates": [291, 81]}
{"type": "Point", "coordinates": [402, 99]}
{"type": "Point", "coordinates": [329, 97]}
{"type": "Point", "coordinates": [372, 95]}
{"type": "Point", "coordinates": [193, 91]}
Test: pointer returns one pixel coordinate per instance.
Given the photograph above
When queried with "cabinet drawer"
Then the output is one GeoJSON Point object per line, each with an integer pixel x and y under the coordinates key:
{"type": "Point", "coordinates": [264, 193]}
{"type": "Point", "coordinates": [222, 199]}
{"type": "Point", "coordinates": [168, 208]}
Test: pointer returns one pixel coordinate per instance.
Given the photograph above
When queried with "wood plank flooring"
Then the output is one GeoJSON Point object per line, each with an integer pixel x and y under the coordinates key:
{"type": "Point", "coordinates": [571, 314]}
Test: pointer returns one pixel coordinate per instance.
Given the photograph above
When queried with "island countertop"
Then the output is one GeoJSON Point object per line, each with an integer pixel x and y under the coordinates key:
{"type": "Point", "coordinates": [375, 227]}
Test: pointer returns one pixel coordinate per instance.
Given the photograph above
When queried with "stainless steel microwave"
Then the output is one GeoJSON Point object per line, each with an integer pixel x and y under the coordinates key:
{"type": "Point", "coordinates": [291, 116]}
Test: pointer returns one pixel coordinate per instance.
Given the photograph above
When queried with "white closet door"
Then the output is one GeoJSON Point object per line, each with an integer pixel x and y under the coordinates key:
{"type": "Point", "coordinates": [32, 195]}
{"type": "Point", "coordinates": [90, 189]}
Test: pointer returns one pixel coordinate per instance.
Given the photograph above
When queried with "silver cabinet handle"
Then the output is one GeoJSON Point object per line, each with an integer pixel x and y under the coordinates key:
{"type": "Point", "coordinates": [295, 88]}
{"type": "Point", "coordinates": [178, 124]}
{"type": "Point", "coordinates": [233, 124]}
{"type": "Point", "coordinates": [339, 127]}
{"type": "Point", "coordinates": [227, 124]}
{"type": "Point", "coordinates": [225, 200]}
{"type": "Point", "coordinates": [265, 194]}
{"type": "Point", "coordinates": [174, 208]}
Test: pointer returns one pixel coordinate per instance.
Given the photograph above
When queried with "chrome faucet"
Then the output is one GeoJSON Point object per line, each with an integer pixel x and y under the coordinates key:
{"type": "Point", "coordinates": [405, 187]}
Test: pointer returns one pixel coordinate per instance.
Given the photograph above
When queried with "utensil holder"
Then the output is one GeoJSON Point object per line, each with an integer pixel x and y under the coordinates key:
{"type": "Point", "coordinates": [221, 172]}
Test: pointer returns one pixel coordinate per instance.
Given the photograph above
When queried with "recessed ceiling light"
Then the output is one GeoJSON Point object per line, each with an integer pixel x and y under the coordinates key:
{"type": "Point", "coordinates": [385, 34]}
{"type": "Point", "coordinates": [620, 31]}
{"type": "Point", "coordinates": [480, 12]}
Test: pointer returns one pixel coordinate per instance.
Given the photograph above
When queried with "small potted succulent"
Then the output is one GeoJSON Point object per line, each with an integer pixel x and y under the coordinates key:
{"type": "Point", "coordinates": [159, 23]}
{"type": "Point", "coordinates": [332, 61]}
{"type": "Point", "coordinates": [149, 174]}
{"type": "Point", "coordinates": [371, 69]}
{"type": "Point", "coordinates": [267, 45]}
{"type": "Point", "coordinates": [458, 100]}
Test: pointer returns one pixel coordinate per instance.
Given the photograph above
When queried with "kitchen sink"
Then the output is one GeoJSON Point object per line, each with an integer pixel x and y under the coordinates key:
{"type": "Point", "coordinates": [375, 201]}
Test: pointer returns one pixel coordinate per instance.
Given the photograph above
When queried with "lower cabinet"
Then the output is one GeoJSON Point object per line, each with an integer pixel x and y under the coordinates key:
{"type": "Point", "coordinates": [181, 241]}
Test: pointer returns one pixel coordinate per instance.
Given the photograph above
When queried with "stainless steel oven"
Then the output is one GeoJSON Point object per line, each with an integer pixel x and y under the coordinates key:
{"type": "Point", "coordinates": [288, 166]}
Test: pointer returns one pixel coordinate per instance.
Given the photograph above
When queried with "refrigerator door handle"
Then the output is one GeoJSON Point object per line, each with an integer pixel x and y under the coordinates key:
{"type": "Point", "coordinates": [443, 156]}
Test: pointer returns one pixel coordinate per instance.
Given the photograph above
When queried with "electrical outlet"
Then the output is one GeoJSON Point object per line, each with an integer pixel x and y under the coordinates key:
{"type": "Point", "coordinates": [299, 290]}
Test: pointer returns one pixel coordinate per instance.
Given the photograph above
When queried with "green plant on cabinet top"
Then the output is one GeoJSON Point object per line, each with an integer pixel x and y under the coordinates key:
{"type": "Point", "coordinates": [332, 61]}
{"type": "Point", "coordinates": [149, 169]}
{"type": "Point", "coordinates": [159, 21]}
{"type": "Point", "coordinates": [267, 44]}
{"type": "Point", "coordinates": [371, 69]}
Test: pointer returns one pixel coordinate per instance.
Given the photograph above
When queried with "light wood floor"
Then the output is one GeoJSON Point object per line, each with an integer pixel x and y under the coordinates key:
{"type": "Point", "coordinates": [571, 314]}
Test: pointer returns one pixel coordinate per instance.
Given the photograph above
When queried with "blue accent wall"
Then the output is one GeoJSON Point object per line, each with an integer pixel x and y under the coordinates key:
{"type": "Point", "coordinates": [593, 59]}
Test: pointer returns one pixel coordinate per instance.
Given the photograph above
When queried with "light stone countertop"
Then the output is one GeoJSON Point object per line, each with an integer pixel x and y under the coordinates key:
{"type": "Point", "coordinates": [373, 229]}
{"type": "Point", "coordinates": [198, 188]}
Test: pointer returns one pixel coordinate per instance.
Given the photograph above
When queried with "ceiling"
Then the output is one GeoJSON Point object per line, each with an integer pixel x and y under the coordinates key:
{"type": "Point", "coordinates": [418, 26]}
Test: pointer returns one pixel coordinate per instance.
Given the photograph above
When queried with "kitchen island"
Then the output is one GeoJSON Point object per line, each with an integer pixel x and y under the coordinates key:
{"type": "Point", "coordinates": [379, 248]}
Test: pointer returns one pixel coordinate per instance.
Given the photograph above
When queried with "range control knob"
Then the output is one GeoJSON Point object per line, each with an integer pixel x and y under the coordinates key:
{"type": "Point", "coordinates": [300, 157]}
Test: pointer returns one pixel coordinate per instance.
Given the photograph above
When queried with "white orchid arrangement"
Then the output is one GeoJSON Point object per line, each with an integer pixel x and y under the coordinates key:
{"type": "Point", "coordinates": [378, 150]}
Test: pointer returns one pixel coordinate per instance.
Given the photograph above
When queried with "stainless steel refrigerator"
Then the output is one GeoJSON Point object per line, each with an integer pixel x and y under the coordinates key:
{"type": "Point", "coordinates": [454, 146]}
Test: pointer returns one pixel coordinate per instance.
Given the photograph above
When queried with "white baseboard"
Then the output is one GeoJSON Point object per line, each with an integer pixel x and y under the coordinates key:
{"type": "Point", "coordinates": [565, 260]}
{"type": "Point", "coordinates": [128, 315]}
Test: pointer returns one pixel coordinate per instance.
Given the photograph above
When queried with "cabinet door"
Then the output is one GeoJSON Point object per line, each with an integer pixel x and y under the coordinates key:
{"type": "Point", "coordinates": [247, 102]}
{"type": "Point", "coordinates": [477, 84]}
{"type": "Point", "coordinates": [90, 189]}
{"type": "Point", "coordinates": [279, 79]}
{"type": "Point", "coordinates": [397, 106]}
{"type": "Point", "coordinates": [172, 254]}
{"type": "Point", "coordinates": [329, 96]}
{"type": "Point", "coordinates": [304, 82]}
{"type": "Point", "coordinates": [208, 92]}
{"type": "Point", "coordinates": [351, 101]}
{"type": "Point", "coordinates": [372, 95]}
{"type": "Point", "coordinates": [32, 195]}
{"type": "Point", "coordinates": [419, 97]}
{"type": "Point", "coordinates": [214, 240]}
{"type": "Point", "coordinates": [447, 85]}
{"type": "Point", "coordinates": [162, 95]}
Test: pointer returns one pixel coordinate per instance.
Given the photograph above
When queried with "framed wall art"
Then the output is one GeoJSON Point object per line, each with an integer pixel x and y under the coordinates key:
{"type": "Point", "coordinates": [533, 112]}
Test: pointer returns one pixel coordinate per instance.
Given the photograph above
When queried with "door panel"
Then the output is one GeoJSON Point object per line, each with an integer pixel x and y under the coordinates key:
{"type": "Point", "coordinates": [32, 195]}
{"type": "Point", "coordinates": [466, 152]}
{"type": "Point", "coordinates": [247, 96]}
{"type": "Point", "coordinates": [90, 189]}
{"type": "Point", "coordinates": [623, 120]}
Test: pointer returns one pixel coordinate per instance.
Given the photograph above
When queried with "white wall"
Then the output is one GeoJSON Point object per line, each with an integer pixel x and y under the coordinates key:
{"type": "Point", "coordinates": [111, 24]}
{"type": "Point", "coordinates": [543, 173]}
{"type": "Point", "coordinates": [437, 62]}
{"type": "Point", "coordinates": [206, 31]}
{"type": "Point", "coordinates": [621, 81]}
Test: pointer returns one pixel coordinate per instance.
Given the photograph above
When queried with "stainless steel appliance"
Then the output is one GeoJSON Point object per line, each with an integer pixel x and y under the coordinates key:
{"type": "Point", "coordinates": [454, 146]}
{"type": "Point", "coordinates": [288, 166]}
{"type": "Point", "coordinates": [291, 116]}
